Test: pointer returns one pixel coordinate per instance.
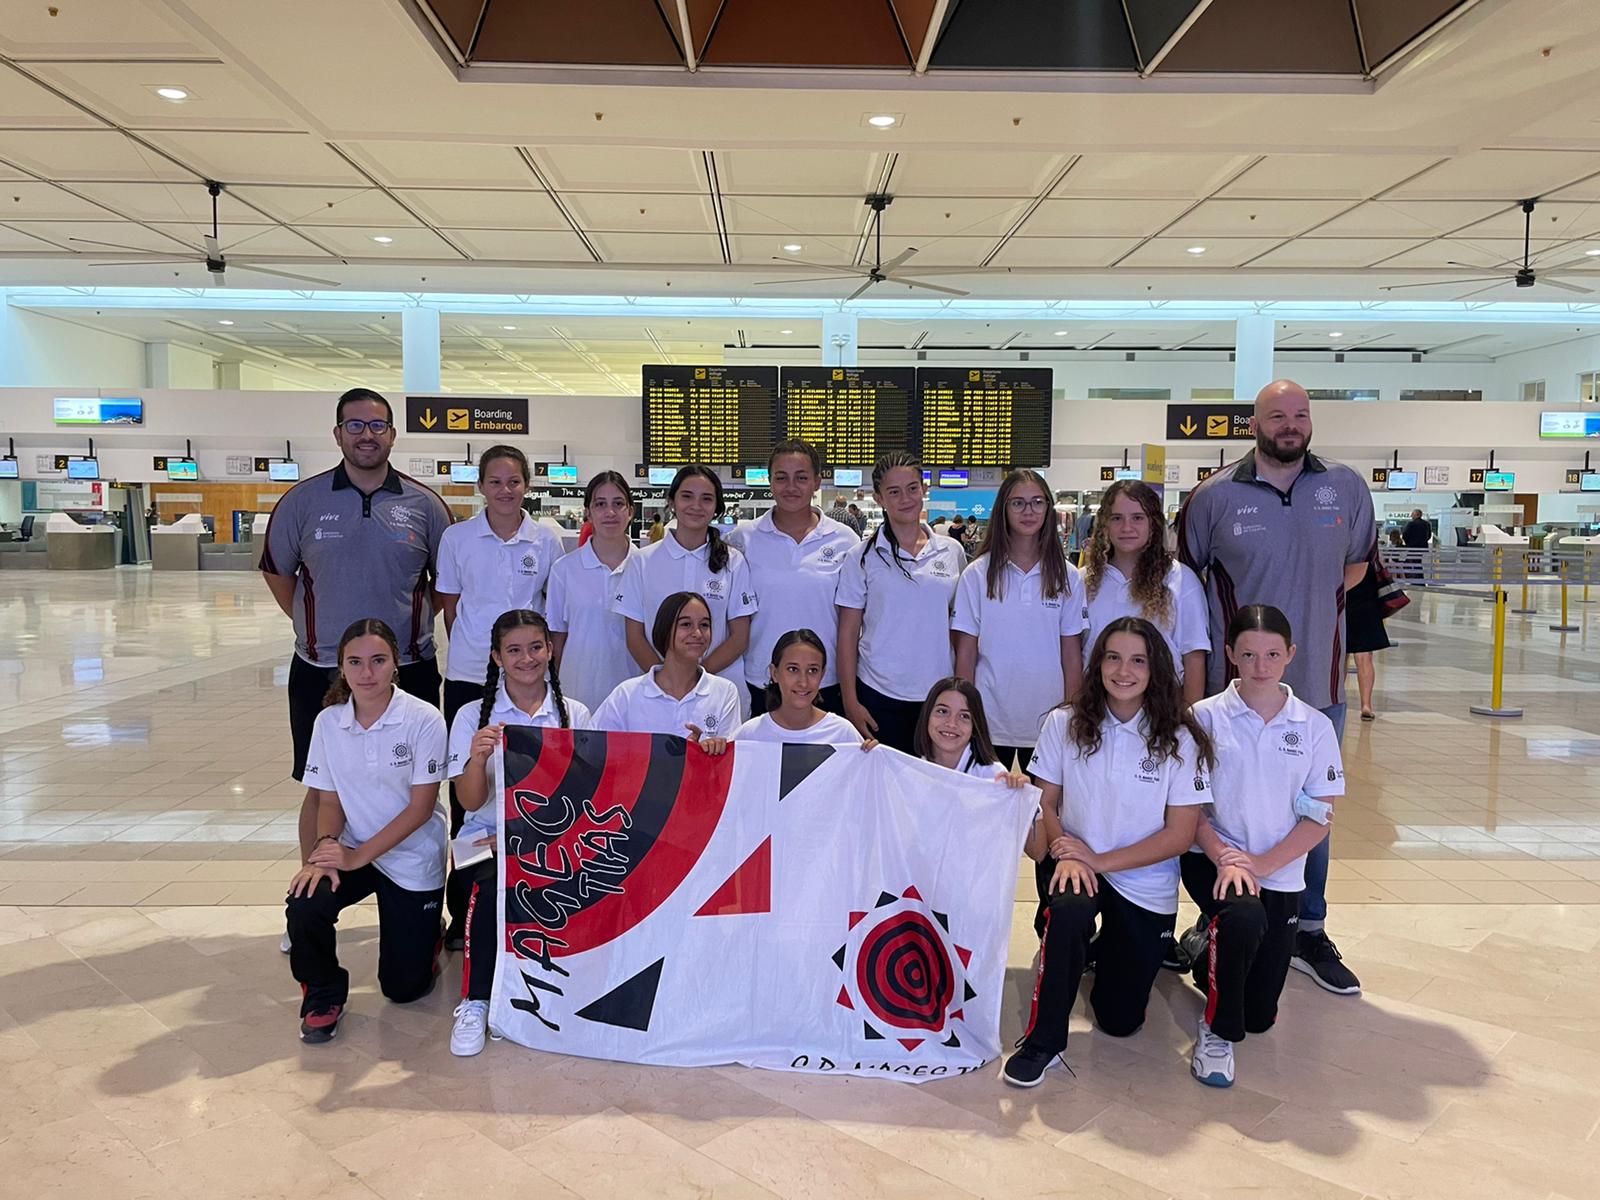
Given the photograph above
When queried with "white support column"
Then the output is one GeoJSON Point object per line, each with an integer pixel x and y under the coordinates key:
{"type": "Point", "coordinates": [419, 349]}
{"type": "Point", "coordinates": [11, 373]}
{"type": "Point", "coordinates": [839, 339]}
{"type": "Point", "coordinates": [1252, 355]}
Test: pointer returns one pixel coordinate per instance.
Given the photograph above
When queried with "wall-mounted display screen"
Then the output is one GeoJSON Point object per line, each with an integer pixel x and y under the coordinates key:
{"type": "Point", "coordinates": [758, 476]}
{"type": "Point", "coordinates": [710, 414]}
{"type": "Point", "coordinates": [463, 472]}
{"type": "Point", "coordinates": [1569, 425]}
{"type": "Point", "coordinates": [1402, 481]}
{"type": "Point", "coordinates": [1590, 481]}
{"type": "Point", "coordinates": [83, 468]}
{"type": "Point", "coordinates": [283, 472]}
{"type": "Point", "coordinates": [847, 477]}
{"type": "Point", "coordinates": [562, 473]}
{"type": "Point", "coordinates": [98, 410]}
{"type": "Point", "coordinates": [1132, 473]}
{"type": "Point", "coordinates": [182, 470]}
{"type": "Point", "coordinates": [952, 479]}
{"type": "Point", "coordinates": [1499, 481]}
{"type": "Point", "coordinates": [8, 469]}
{"type": "Point", "coordinates": [661, 476]}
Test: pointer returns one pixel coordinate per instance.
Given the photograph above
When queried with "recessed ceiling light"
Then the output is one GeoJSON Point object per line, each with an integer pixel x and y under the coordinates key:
{"type": "Point", "coordinates": [509, 328]}
{"type": "Point", "coordinates": [172, 93]}
{"type": "Point", "coordinates": [786, 332]}
{"type": "Point", "coordinates": [1336, 335]}
{"type": "Point", "coordinates": [881, 120]}
{"type": "Point", "coordinates": [1195, 250]}
{"type": "Point", "coordinates": [381, 239]}
{"type": "Point", "coordinates": [224, 322]}
{"type": "Point", "coordinates": [1595, 253]}
{"type": "Point", "coordinates": [793, 248]}
{"type": "Point", "coordinates": [1062, 332]}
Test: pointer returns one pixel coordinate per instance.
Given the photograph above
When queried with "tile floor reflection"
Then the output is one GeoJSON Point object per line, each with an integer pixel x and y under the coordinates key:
{"type": "Point", "coordinates": [147, 830]}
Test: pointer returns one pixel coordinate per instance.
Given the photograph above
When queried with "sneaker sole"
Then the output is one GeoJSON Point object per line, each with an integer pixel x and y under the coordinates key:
{"type": "Point", "coordinates": [465, 1053]}
{"type": "Point", "coordinates": [318, 1037]}
{"type": "Point", "coordinates": [1305, 968]}
{"type": "Point", "coordinates": [1212, 1080]}
{"type": "Point", "coordinates": [1023, 1083]}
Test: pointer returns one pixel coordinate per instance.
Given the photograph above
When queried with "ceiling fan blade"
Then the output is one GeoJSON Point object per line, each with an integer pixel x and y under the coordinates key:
{"type": "Point", "coordinates": [238, 266]}
{"type": "Point", "coordinates": [859, 290]}
{"type": "Point", "coordinates": [118, 246]}
{"type": "Point", "coordinates": [930, 287]}
{"type": "Point", "coordinates": [142, 262]}
{"type": "Point", "coordinates": [1481, 291]}
{"type": "Point", "coordinates": [1587, 259]}
{"type": "Point", "coordinates": [1395, 287]}
{"type": "Point", "coordinates": [816, 266]}
{"type": "Point", "coordinates": [802, 279]}
{"type": "Point", "coordinates": [213, 249]}
{"type": "Point", "coordinates": [1470, 266]}
{"type": "Point", "coordinates": [898, 259]}
{"type": "Point", "coordinates": [1566, 287]}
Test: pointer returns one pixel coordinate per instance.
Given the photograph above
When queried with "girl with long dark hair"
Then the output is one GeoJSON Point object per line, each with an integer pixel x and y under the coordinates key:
{"type": "Point", "coordinates": [894, 610]}
{"type": "Point", "coordinates": [693, 557]}
{"type": "Point", "coordinates": [1019, 611]}
{"type": "Point", "coordinates": [589, 638]}
{"type": "Point", "coordinates": [1123, 772]}
{"type": "Point", "coordinates": [1129, 572]}
{"type": "Point", "coordinates": [376, 760]}
{"type": "Point", "coordinates": [679, 696]}
{"type": "Point", "coordinates": [792, 710]}
{"type": "Point", "coordinates": [953, 733]}
{"type": "Point", "coordinates": [521, 687]}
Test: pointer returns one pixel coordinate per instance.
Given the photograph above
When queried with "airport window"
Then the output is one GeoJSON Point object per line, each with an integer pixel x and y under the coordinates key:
{"type": "Point", "coordinates": [1440, 394]}
{"type": "Point", "coordinates": [1130, 393]}
{"type": "Point", "coordinates": [1533, 390]}
{"type": "Point", "coordinates": [1343, 393]}
{"type": "Point", "coordinates": [1211, 393]}
{"type": "Point", "coordinates": [1589, 387]}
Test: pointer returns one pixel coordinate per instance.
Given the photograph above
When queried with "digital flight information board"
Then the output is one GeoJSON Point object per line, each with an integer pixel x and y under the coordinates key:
{"type": "Point", "coordinates": [852, 414]}
{"type": "Point", "coordinates": [711, 414]}
{"type": "Point", "coordinates": [985, 416]}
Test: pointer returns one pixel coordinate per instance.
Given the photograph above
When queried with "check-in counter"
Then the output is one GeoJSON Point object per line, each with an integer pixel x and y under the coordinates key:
{"type": "Point", "coordinates": [176, 547]}
{"type": "Point", "coordinates": [73, 547]}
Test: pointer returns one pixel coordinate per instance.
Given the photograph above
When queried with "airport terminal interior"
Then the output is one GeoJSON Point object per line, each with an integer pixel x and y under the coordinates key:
{"type": "Point", "coordinates": [1072, 235]}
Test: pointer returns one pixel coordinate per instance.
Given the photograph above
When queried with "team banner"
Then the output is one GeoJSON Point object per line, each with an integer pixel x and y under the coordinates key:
{"type": "Point", "coordinates": [802, 908]}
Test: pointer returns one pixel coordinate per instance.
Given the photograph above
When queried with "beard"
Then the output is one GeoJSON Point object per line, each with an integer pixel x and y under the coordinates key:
{"type": "Point", "coordinates": [1277, 449]}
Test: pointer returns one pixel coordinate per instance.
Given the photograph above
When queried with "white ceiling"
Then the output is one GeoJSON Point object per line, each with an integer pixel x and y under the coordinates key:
{"type": "Point", "coordinates": [331, 124]}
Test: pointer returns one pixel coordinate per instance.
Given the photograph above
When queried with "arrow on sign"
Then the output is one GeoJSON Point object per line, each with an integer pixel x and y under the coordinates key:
{"type": "Point", "coordinates": [1188, 427]}
{"type": "Point", "coordinates": [427, 420]}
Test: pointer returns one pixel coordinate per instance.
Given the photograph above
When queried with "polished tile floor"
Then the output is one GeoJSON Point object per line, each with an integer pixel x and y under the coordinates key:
{"type": "Point", "coordinates": [147, 1020]}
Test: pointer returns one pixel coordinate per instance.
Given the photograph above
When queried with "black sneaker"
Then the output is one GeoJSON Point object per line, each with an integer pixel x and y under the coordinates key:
{"type": "Point", "coordinates": [321, 1026]}
{"type": "Point", "coordinates": [1191, 946]}
{"type": "Point", "coordinates": [1317, 956]}
{"type": "Point", "coordinates": [1027, 1066]}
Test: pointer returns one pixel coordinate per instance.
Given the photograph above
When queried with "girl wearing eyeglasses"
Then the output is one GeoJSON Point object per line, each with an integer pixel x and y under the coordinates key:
{"type": "Point", "coordinates": [1019, 612]}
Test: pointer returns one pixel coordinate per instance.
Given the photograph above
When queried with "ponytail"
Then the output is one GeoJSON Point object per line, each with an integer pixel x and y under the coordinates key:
{"type": "Point", "coordinates": [717, 555]}
{"type": "Point", "coordinates": [562, 715]}
{"type": "Point", "coordinates": [491, 690]}
{"type": "Point", "coordinates": [339, 691]}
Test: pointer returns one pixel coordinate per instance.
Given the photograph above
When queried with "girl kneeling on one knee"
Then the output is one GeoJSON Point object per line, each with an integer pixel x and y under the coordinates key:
{"type": "Point", "coordinates": [1124, 773]}
{"type": "Point", "coordinates": [1278, 770]}
{"type": "Point", "coordinates": [376, 760]}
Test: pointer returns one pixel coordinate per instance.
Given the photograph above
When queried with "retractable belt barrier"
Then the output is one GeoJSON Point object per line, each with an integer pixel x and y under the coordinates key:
{"type": "Point", "coordinates": [1487, 572]}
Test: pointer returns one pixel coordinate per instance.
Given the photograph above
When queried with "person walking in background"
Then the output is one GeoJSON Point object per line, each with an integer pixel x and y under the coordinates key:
{"type": "Point", "coordinates": [1417, 532]}
{"type": "Point", "coordinates": [1286, 528]}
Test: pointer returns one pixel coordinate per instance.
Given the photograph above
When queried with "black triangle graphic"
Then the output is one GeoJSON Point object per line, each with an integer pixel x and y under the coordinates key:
{"type": "Point", "coordinates": [798, 762]}
{"type": "Point", "coordinates": [522, 752]}
{"type": "Point", "coordinates": [943, 920]}
{"type": "Point", "coordinates": [630, 1003]}
{"type": "Point", "coordinates": [885, 898]}
{"type": "Point", "coordinates": [967, 992]}
{"type": "Point", "coordinates": [838, 958]}
{"type": "Point", "coordinates": [954, 1043]}
{"type": "Point", "coordinates": [872, 1034]}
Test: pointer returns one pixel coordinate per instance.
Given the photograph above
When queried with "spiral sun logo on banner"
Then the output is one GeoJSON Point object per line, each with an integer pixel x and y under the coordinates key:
{"type": "Point", "coordinates": [805, 908]}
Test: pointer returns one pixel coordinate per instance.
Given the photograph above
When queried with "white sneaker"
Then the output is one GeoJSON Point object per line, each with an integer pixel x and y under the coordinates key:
{"type": "Point", "coordinates": [471, 1028]}
{"type": "Point", "coordinates": [1212, 1063]}
{"type": "Point", "coordinates": [285, 945]}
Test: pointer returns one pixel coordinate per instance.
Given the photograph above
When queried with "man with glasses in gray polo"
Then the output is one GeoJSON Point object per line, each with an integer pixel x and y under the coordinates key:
{"type": "Point", "coordinates": [361, 540]}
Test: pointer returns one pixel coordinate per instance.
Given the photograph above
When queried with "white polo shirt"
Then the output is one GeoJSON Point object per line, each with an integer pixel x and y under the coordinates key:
{"type": "Point", "coordinates": [967, 767]}
{"type": "Point", "coordinates": [1262, 767]}
{"type": "Point", "coordinates": [638, 705]}
{"type": "Point", "coordinates": [905, 623]}
{"type": "Point", "coordinates": [372, 772]}
{"type": "Point", "coordinates": [832, 730]}
{"type": "Point", "coordinates": [580, 601]}
{"type": "Point", "coordinates": [1019, 638]}
{"type": "Point", "coordinates": [1120, 796]}
{"type": "Point", "coordinates": [1186, 628]}
{"type": "Point", "coordinates": [796, 582]}
{"type": "Point", "coordinates": [491, 577]}
{"type": "Point", "coordinates": [658, 571]}
{"type": "Point", "coordinates": [481, 821]}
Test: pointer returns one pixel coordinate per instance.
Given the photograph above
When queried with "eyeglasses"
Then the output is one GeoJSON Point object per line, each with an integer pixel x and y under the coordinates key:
{"type": "Point", "coordinates": [1018, 504]}
{"type": "Point", "coordinates": [356, 426]}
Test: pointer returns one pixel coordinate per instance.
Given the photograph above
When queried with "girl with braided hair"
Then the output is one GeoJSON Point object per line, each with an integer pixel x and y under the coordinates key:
{"type": "Point", "coordinates": [522, 687]}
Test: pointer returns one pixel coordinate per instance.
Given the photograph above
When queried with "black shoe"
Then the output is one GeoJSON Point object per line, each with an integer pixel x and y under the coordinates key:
{"type": "Point", "coordinates": [1027, 1066]}
{"type": "Point", "coordinates": [1317, 956]}
{"type": "Point", "coordinates": [322, 1026]}
{"type": "Point", "coordinates": [454, 942]}
{"type": "Point", "coordinates": [1191, 946]}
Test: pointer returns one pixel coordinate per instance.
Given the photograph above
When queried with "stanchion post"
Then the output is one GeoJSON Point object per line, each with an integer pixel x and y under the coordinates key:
{"type": "Point", "coordinates": [1566, 625]}
{"type": "Point", "coordinates": [1496, 707]}
{"type": "Point", "coordinates": [1524, 610]}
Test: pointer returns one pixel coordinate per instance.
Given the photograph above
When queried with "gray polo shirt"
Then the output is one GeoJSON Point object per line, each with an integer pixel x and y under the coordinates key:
{"type": "Point", "coordinates": [355, 555]}
{"type": "Point", "coordinates": [1253, 544]}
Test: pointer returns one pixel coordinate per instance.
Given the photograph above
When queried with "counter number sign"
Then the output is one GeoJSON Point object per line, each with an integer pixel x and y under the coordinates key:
{"type": "Point", "coordinates": [1475, 475]}
{"type": "Point", "coordinates": [1380, 474]}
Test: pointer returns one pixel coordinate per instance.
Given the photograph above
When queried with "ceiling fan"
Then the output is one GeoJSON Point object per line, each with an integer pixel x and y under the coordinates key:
{"type": "Point", "coordinates": [879, 272]}
{"type": "Point", "coordinates": [215, 261]}
{"type": "Point", "coordinates": [1524, 276]}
